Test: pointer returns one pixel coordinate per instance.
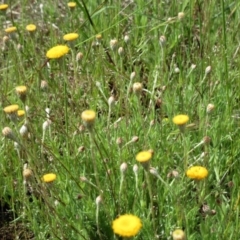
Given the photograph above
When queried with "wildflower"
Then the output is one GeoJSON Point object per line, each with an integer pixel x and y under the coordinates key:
{"type": "Point", "coordinates": [71, 5]}
{"type": "Point", "coordinates": [27, 173]}
{"type": "Point", "coordinates": [20, 113]}
{"type": "Point", "coordinates": [132, 75]}
{"type": "Point", "coordinates": [10, 30]}
{"type": "Point", "coordinates": [50, 177]}
{"type": "Point", "coordinates": [98, 200]}
{"type": "Point", "coordinates": [135, 168]}
{"type": "Point", "coordinates": [11, 109]}
{"type": "Point", "coordinates": [57, 51]}
{"type": "Point", "coordinates": [126, 39]}
{"type": "Point", "coordinates": [70, 36]}
{"type": "Point", "coordinates": [127, 225]}
{"type": "Point", "coordinates": [178, 234]}
{"type": "Point", "coordinates": [24, 131]}
{"type": "Point", "coordinates": [162, 40]}
{"type": "Point", "coordinates": [88, 117]}
{"type": "Point", "coordinates": [123, 168]}
{"type": "Point", "coordinates": [144, 156]}
{"type": "Point", "coordinates": [180, 119]}
{"type": "Point", "coordinates": [22, 92]}
{"type": "Point", "coordinates": [111, 101]}
{"type": "Point", "coordinates": [197, 172]}
{"type": "Point", "coordinates": [120, 51]}
{"type": "Point", "coordinates": [3, 7]}
{"type": "Point", "coordinates": [137, 87]}
{"type": "Point", "coordinates": [99, 37]}
{"type": "Point", "coordinates": [31, 27]}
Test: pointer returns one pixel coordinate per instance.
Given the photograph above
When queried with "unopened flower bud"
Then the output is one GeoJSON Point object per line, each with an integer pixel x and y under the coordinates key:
{"type": "Point", "coordinates": [111, 101]}
{"type": "Point", "coordinates": [46, 125]}
{"type": "Point", "coordinates": [79, 56]}
{"type": "Point", "coordinates": [27, 174]}
{"type": "Point", "coordinates": [83, 179]}
{"type": "Point", "coordinates": [8, 133]}
{"type": "Point", "coordinates": [126, 38]}
{"type": "Point", "coordinates": [137, 87]}
{"type": "Point", "coordinates": [206, 140]}
{"type": "Point", "coordinates": [24, 131]}
{"type": "Point", "coordinates": [98, 200]}
{"type": "Point", "coordinates": [135, 139]}
{"type": "Point", "coordinates": [208, 70]}
{"type": "Point", "coordinates": [162, 40]}
{"type": "Point", "coordinates": [181, 15]}
{"type": "Point", "coordinates": [120, 51]}
{"type": "Point", "coordinates": [123, 167]}
{"type": "Point", "coordinates": [135, 168]}
{"type": "Point", "coordinates": [113, 44]}
{"type": "Point", "coordinates": [132, 76]}
{"type": "Point", "coordinates": [119, 141]}
{"type": "Point", "coordinates": [210, 107]}
{"type": "Point", "coordinates": [44, 85]}
{"type": "Point", "coordinates": [153, 171]}
{"type": "Point", "coordinates": [81, 149]}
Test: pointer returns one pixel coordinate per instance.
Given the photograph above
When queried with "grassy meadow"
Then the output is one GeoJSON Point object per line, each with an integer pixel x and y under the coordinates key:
{"type": "Point", "coordinates": [135, 65]}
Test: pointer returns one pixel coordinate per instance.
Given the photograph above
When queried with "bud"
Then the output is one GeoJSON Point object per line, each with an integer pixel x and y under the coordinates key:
{"type": "Point", "coordinates": [81, 149]}
{"type": "Point", "coordinates": [208, 70]}
{"type": "Point", "coordinates": [135, 168]}
{"type": "Point", "coordinates": [21, 92]}
{"type": "Point", "coordinates": [79, 56]}
{"type": "Point", "coordinates": [137, 87]}
{"type": "Point", "coordinates": [88, 117]}
{"type": "Point", "coordinates": [178, 235]}
{"type": "Point", "coordinates": [99, 37]}
{"type": "Point", "coordinates": [47, 110]}
{"type": "Point", "coordinates": [119, 141]}
{"type": "Point", "coordinates": [111, 101]}
{"type": "Point", "coordinates": [123, 167]}
{"type": "Point", "coordinates": [24, 131]}
{"type": "Point", "coordinates": [132, 76]}
{"type": "Point", "coordinates": [135, 139]}
{"type": "Point", "coordinates": [83, 179]}
{"type": "Point", "coordinates": [181, 15]}
{"type": "Point", "coordinates": [153, 171]}
{"type": "Point", "coordinates": [210, 107]}
{"type": "Point", "coordinates": [46, 124]}
{"type": "Point", "coordinates": [120, 51]}
{"type": "Point", "coordinates": [113, 44]}
{"type": "Point", "coordinates": [44, 85]}
{"type": "Point", "coordinates": [98, 200]}
{"type": "Point", "coordinates": [126, 38]}
{"type": "Point", "coordinates": [206, 140]}
{"type": "Point", "coordinates": [193, 66]}
{"type": "Point", "coordinates": [27, 174]}
{"type": "Point", "coordinates": [162, 41]}
{"type": "Point", "coordinates": [8, 133]}
{"type": "Point", "coordinates": [176, 70]}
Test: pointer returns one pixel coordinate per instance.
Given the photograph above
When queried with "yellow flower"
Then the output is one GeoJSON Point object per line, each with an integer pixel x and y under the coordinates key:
{"type": "Point", "coordinates": [137, 87]}
{"type": "Point", "coordinates": [178, 234]}
{"type": "Point", "coordinates": [31, 27]}
{"type": "Point", "coordinates": [70, 36]}
{"type": "Point", "coordinates": [180, 119]}
{"type": "Point", "coordinates": [50, 177]}
{"type": "Point", "coordinates": [144, 156]}
{"type": "Point", "coordinates": [3, 6]}
{"type": "Point", "coordinates": [21, 90]}
{"type": "Point", "coordinates": [71, 4]}
{"type": "Point", "coordinates": [127, 225]}
{"type": "Point", "coordinates": [57, 51]}
{"type": "Point", "coordinates": [11, 109]}
{"type": "Point", "coordinates": [88, 117]}
{"type": "Point", "coordinates": [197, 172]}
{"type": "Point", "coordinates": [10, 29]}
{"type": "Point", "coordinates": [20, 113]}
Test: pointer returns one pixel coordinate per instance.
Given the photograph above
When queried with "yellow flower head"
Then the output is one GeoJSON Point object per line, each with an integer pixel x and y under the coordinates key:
{"type": "Point", "coordinates": [20, 113]}
{"type": "Point", "coordinates": [178, 234]}
{"type": "Point", "coordinates": [10, 29]}
{"type": "Point", "coordinates": [72, 4]}
{"type": "Point", "coordinates": [11, 109]}
{"type": "Point", "coordinates": [197, 172]}
{"type": "Point", "coordinates": [3, 6]}
{"type": "Point", "coordinates": [88, 117]}
{"type": "Point", "coordinates": [180, 119]}
{"type": "Point", "coordinates": [144, 156]}
{"type": "Point", "coordinates": [50, 177]}
{"type": "Point", "coordinates": [57, 51]}
{"type": "Point", "coordinates": [137, 87]}
{"type": "Point", "coordinates": [21, 90]}
{"type": "Point", "coordinates": [99, 37]}
{"type": "Point", "coordinates": [127, 225]}
{"type": "Point", "coordinates": [70, 36]}
{"type": "Point", "coordinates": [31, 27]}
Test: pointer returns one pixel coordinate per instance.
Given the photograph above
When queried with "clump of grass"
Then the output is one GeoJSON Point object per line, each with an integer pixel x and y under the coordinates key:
{"type": "Point", "coordinates": [134, 66]}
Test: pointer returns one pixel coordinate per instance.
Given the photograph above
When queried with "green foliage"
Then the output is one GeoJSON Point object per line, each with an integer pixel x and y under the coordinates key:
{"type": "Point", "coordinates": [184, 62]}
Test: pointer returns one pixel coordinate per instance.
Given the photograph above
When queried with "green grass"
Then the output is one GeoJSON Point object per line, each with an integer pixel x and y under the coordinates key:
{"type": "Point", "coordinates": [174, 82]}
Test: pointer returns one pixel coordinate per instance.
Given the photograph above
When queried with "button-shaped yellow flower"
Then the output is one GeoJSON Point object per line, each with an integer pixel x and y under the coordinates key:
{"type": "Point", "coordinates": [197, 172]}
{"type": "Point", "coordinates": [144, 156]}
{"type": "Point", "coordinates": [10, 30]}
{"type": "Point", "coordinates": [20, 113]}
{"type": "Point", "coordinates": [31, 27]}
{"type": "Point", "coordinates": [11, 109]}
{"type": "Point", "coordinates": [72, 4]}
{"type": "Point", "coordinates": [180, 119]}
{"type": "Point", "coordinates": [88, 117]}
{"type": "Point", "coordinates": [57, 51]}
{"type": "Point", "coordinates": [178, 234]}
{"type": "Point", "coordinates": [127, 225]}
{"type": "Point", "coordinates": [3, 7]}
{"type": "Point", "coordinates": [70, 36]}
{"type": "Point", "coordinates": [50, 177]}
